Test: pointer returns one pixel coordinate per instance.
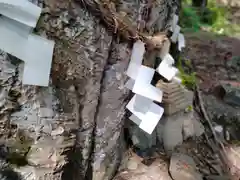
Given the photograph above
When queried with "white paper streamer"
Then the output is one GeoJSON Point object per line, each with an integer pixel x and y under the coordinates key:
{"type": "Point", "coordinates": [174, 22]}
{"type": "Point", "coordinates": [176, 32]}
{"type": "Point", "coordinates": [166, 70]}
{"type": "Point", "coordinates": [147, 120]}
{"type": "Point", "coordinates": [143, 85]}
{"type": "Point", "coordinates": [13, 37]}
{"type": "Point", "coordinates": [22, 11]}
{"type": "Point", "coordinates": [181, 42]}
{"type": "Point", "coordinates": [136, 59]}
{"type": "Point", "coordinates": [168, 59]}
{"type": "Point", "coordinates": [165, 49]}
{"type": "Point", "coordinates": [38, 61]}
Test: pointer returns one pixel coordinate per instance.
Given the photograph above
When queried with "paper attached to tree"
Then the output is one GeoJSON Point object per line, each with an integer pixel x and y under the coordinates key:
{"type": "Point", "coordinates": [165, 49]}
{"type": "Point", "coordinates": [38, 61]}
{"type": "Point", "coordinates": [181, 42]}
{"type": "Point", "coordinates": [18, 19]}
{"type": "Point", "coordinates": [143, 84]}
{"type": "Point", "coordinates": [176, 32]}
{"type": "Point", "coordinates": [136, 59]}
{"type": "Point", "coordinates": [174, 22]}
{"type": "Point", "coordinates": [22, 11]}
{"type": "Point", "coordinates": [14, 37]}
{"type": "Point", "coordinates": [167, 71]}
{"type": "Point", "coordinates": [147, 120]}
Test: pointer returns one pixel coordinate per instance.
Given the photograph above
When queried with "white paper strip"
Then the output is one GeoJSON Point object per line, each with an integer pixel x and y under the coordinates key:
{"type": "Point", "coordinates": [151, 119]}
{"type": "Point", "coordinates": [38, 61]}
{"type": "Point", "coordinates": [137, 104]}
{"type": "Point", "coordinates": [142, 103]}
{"type": "Point", "coordinates": [22, 11]}
{"type": "Point", "coordinates": [176, 32]}
{"type": "Point", "coordinates": [148, 120]}
{"type": "Point", "coordinates": [165, 49]}
{"type": "Point", "coordinates": [13, 37]}
{"type": "Point", "coordinates": [136, 59]}
{"type": "Point", "coordinates": [181, 42]}
{"type": "Point", "coordinates": [168, 59]}
{"type": "Point", "coordinates": [166, 70]}
{"type": "Point", "coordinates": [174, 22]}
{"type": "Point", "coordinates": [143, 85]}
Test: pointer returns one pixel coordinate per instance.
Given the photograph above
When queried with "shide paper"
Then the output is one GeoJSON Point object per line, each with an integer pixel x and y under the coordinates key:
{"type": "Point", "coordinates": [22, 11]}
{"type": "Point", "coordinates": [176, 32]}
{"type": "Point", "coordinates": [174, 22]}
{"type": "Point", "coordinates": [181, 42]}
{"type": "Point", "coordinates": [137, 105]}
{"type": "Point", "coordinates": [38, 61]}
{"type": "Point", "coordinates": [142, 103]}
{"type": "Point", "coordinates": [165, 49]}
{"type": "Point", "coordinates": [18, 19]}
{"type": "Point", "coordinates": [136, 59]}
{"type": "Point", "coordinates": [168, 59]}
{"type": "Point", "coordinates": [143, 84]}
{"type": "Point", "coordinates": [148, 120]}
{"type": "Point", "coordinates": [166, 70]}
{"type": "Point", "coordinates": [14, 37]}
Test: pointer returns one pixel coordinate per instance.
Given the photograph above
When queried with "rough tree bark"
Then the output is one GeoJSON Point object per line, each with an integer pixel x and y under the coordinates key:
{"type": "Point", "coordinates": [73, 129]}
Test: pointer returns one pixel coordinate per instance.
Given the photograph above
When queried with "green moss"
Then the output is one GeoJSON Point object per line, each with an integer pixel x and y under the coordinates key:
{"type": "Point", "coordinates": [214, 17]}
{"type": "Point", "coordinates": [189, 108]}
{"type": "Point", "coordinates": [188, 78]}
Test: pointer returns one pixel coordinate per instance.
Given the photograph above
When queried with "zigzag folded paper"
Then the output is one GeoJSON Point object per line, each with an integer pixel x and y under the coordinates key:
{"type": "Point", "coordinates": [143, 84]}
{"type": "Point", "coordinates": [146, 115]}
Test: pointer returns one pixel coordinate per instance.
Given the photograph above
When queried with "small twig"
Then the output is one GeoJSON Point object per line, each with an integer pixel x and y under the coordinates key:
{"type": "Point", "coordinates": [221, 151]}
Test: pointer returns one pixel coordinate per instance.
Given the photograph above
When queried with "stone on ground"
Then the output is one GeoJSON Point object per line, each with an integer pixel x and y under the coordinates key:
{"type": "Point", "coordinates": [182, 167]}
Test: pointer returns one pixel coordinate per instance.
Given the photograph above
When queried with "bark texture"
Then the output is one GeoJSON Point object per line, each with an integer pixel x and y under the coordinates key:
{"type": "Point", "coordinates": [73, 129]}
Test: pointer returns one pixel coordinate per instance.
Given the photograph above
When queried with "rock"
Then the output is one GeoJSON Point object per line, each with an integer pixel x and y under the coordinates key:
{"type": "Point", "coordinates": [156, 171]}
{"type": "Point", "coordinates": [140, 138]}
{"type": "Point", "coordinates": [182, 167]}
{"type": "Point", "coordinates": [175, 97]}
{"type": "Point", "coordinates": [233, 157]}
{"type": "Point", "coordinates": [230, 92]}
{"type": "Point", "coordinates": [177, 128]}
{"type": "Point", "coordinates": [198, 127]}
{"type": "Point", "coordinates": [223, 114]}
{"type": "Point", "coordinates": [172, 132]}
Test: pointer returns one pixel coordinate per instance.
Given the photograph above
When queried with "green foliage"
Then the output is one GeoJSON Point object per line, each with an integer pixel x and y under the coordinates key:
{"type": "Point", "coordinates": [189, 108]}
{"type": "Point", "coordinates": [214, 18]}
{"type": "Point", "coordinates": [189, 19]}
{"type": "Point", "coordinates": [188, 79]}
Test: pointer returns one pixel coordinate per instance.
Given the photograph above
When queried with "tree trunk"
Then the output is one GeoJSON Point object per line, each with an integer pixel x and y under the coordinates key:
{"type": "Point", "coordinates": [73, 129]}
